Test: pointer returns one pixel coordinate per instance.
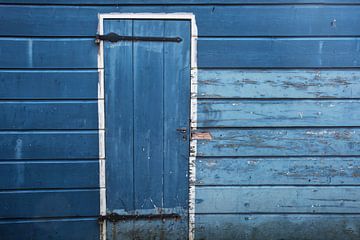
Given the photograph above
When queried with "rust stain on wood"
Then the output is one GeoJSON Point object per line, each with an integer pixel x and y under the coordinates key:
{"type": "Point", "coordinates": [201, 136]}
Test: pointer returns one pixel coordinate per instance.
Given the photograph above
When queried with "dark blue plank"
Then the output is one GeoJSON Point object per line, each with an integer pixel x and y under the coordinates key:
{"type": "Point", "coordinates": [48, 84]}
{"type": "Point", "coordinates": [277, 199]}
{"type": "Point", "coordinates": [49, 174]}
{"type": "Point", "coordinates": [278, 52]}
{"type": "Point", "coordinates": [49, 145]}
{"type": "Point", "coordinates": [119, 118]}
{"type": "Point", "coordinates": [278, 113]}
{"type": "Point", "coordinates": [48, 115]}
{"type": "Point", "coordinates": [148, 115]}
{"type": "Point", "coordinates": [55, 229]}
{"type": "Point", "coordinates": [276, 20]}
{"type": "Point", "coordinates": [167, 2]}
{"type": "Point", "coordinates": [275, 227]}
{"type": "Point", "coordinates": [176, 115]}
{"type": "Point", "coordinates": [280, 142]}
{"type": "Point", "coordinates": [274, 83]}
{"type": "Point", "coordinates": [48, 53]}
{"type": "Point", "coordinates": [278, 171]}
{"type": "Point", "coordinates": [49, 203]}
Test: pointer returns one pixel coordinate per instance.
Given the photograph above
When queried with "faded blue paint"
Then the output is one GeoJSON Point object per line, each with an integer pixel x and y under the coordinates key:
{"type": "Point", "coordinates": [147, 88]}
{"type": "Point", "coordinates": [282, 112]}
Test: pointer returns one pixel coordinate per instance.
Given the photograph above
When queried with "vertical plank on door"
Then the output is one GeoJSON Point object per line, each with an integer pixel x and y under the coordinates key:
{"type": "Point", "coordinates": [148, 115]}
{"type": "Point", "coordinates": [119, 109]}
{"type": "Point", "coordinates": [176, 105]}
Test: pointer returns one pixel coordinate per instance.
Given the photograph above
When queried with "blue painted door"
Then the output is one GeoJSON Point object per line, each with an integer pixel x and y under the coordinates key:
{"type": "Point", "coordinates": [147, 98]}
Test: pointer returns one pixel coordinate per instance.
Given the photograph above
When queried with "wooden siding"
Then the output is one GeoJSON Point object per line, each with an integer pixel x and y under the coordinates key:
{"type": "Point", "coordinates": [289, 150]}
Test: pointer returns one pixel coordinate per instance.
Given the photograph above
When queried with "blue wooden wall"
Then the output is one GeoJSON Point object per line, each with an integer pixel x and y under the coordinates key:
{"type": "Point", "coordinates": [279, 92]}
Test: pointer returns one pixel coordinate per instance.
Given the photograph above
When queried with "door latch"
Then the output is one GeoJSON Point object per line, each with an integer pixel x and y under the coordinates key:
{"type": "Point", "coordinates": [113, 37]}
{"type": "Point", "coordinates": [184, 132]}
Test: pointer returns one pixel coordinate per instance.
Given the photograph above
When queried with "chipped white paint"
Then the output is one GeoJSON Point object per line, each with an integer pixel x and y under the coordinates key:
{"type": "Point", "coordinates": [193, 107]}
{"type": "Point", "coordinates": [101, 120]}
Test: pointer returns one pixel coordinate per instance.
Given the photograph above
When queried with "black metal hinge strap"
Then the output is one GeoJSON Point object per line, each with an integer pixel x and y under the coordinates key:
{"type": "Point", "coordinates": [114, 217]}
{"type": "Point", "coordinates": [113, 37]}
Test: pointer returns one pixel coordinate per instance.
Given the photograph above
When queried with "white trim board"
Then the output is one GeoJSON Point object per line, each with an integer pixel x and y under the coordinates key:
{"type": "Point", "coordinates": [193, 107]}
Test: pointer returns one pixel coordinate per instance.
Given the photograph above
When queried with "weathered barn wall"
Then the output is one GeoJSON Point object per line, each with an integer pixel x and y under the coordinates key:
{"type": "Point", "coordinates": [278, 92]}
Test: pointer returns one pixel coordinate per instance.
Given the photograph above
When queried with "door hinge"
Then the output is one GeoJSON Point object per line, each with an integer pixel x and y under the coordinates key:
{"type": "Point", "coordinates": [113, 37]}
{"type": "Point", "coordinates": [114, 217]}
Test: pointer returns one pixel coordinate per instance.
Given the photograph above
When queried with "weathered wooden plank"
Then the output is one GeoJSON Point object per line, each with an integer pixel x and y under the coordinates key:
{"type": "Point", "coordinates": [278, 52]}
{"type": "Point", "coordinates": [49, 203]}
{"type": "Point", "coordinates": [48, 52]}
{"type": "Point", "coordinates": [278, 83]}
{"type": "Point", "coordinates": [281, 142]}
{"type": "Point", "coordinates": [56, 229]}
{"type": "Point", "coordinates": [49, 145]}
{"type": "Point", "coordinates": [167, 2]}
{"type": "Point", "coordinates": [176, 115]}
{"type": "Point", "coordinates": [49, 174]}
{"type": "Point", "coordinates": [212, 52]}
{"type": "Point", "coordinates": [274, 227]}
{"type": "Point", "coordinates": [278, 171]}
{"type": "Point", "coordinates": [148, 115]}
{"type": "Point", "coordinates": [119, 112]}
{"type": "Point", "coordinates": [43, 84]}
{"type": "Point", "coordinates": [213, 20]}
{"type": "Point", "coordinates": [277, 200]}
{"type": "Point", "coordinates": [278, 113]}
{"type": "Point", "coordinates": [18, 115]}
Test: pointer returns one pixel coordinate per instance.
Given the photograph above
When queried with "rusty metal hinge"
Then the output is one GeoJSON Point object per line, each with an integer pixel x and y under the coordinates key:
{"type": "Point", "coordinates": [114, 217]}
{"type": "Point", "coordinates": [113, 37]}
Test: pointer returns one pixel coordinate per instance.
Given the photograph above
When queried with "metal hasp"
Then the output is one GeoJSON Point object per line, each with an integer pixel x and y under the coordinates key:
{"type": "Point", "coordinates": [114, 217]}
{"type": "Point", "coordinates": [113, 37]}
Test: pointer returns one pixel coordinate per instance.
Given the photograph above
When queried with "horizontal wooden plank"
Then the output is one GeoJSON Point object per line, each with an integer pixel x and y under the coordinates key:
{"type": "Point", "coordinates": [213, 20]}
{"type": "Point", "coordinates": [48, 115]}
{"type": "Point", "coordinates": [49, 145]}
{"type": "Point", "coordinates": [274, 83]}
{"type": "Point", "coordinates": [278, 171]}
{"type": "Point", "coordinates": [280, 142]}
{"type": "Point", "coordinates": [54, 203]}
{"type": "Point", "coordinates": [48, 53]}
{"type": "Point", "coordinates": [212, 52]}
{"type": "Point", "coordinates": [274, 227]}
{"type": "Point", "coordinates": [48, 84]}
{"type": "Point", "coordinates": [278, 200]}
{"type": "Point", "coordinates": [278, 113]}
{"type": "Point", "coordinates": [49, 174]}
{"type": "Point", "coordinates": [278, 52]}
{"type": "Point", "coordinates": [167, 2]}
{"type": "Point", "coordinates": [55, 229]}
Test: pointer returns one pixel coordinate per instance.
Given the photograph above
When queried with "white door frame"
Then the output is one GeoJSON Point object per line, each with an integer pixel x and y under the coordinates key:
{"type": "Point", "coordinates": [193, 107]}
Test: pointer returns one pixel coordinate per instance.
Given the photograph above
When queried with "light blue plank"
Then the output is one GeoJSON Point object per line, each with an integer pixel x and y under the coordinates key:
{"type": "Point", "coordinates": [213, 20]}
{"type": "Point", "coordinates": [48, 52]}
{"type": "Point", "coordinates": [274, 83]}
{"type": "Point", "coordinates": [278, 171]}
{"type": "Point", "coordinates": [55, 229]}
{"type": "Point", "coordinates": [18, 115]}
{"type": "Point", "coordinates": [49, 174]}
{"type": "Point", "coordinates": [279, 113]}
{"type": "Point", "coordinates": [49, 203]}
{"type": "Point", "coordinates": [49, 145]}
{"type": "Point", "coordinates": [280, 142]}
{"type": "Point", "coordinates": [275, 227]}
{"type": "Point", "coordinates": [119, 118]}
{"type": "Point", "coordinates": [277, 200]}
{"type": "Point", "coordinates": [34, 84]}
{"type": "Point", "coordinates": [278, 52]}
